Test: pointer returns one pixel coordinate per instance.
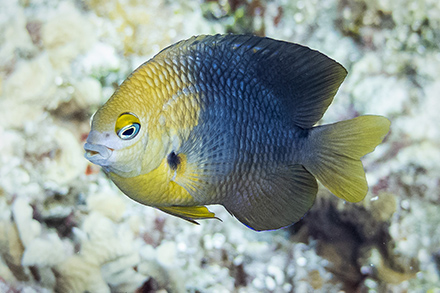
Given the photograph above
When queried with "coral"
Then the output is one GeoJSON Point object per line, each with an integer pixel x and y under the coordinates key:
{"type": "Point", "coordinates": [67, 34]}
{"type": "Point", "coordinates": [106, 259]}
{"type": "Point", "coordinates": [64, 227]}
{"type": "Point", "coordinates": [111, 206]}
{"type": "Point", "coordinates": [133, 22]}
{"type": "Point", "coordinates": [376, 265]}
{"type": "Point", "coordinates": [27, 227]}
{"type": "Point", "coordinates": [12, 251]}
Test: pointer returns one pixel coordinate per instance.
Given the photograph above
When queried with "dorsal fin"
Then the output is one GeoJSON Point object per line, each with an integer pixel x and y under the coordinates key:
{"type": "Point", "coordinates": [303, 80]}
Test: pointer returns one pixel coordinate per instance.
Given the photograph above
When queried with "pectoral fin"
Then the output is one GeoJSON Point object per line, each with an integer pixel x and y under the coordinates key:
{"type": "Point", "coordinates": [204, 160]}
{"type": "Point", "coordinates": [189, 213]}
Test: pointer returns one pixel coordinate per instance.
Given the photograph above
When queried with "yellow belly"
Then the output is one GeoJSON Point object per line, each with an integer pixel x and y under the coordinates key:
{"type": "Point", "coordinates": [155, 188]}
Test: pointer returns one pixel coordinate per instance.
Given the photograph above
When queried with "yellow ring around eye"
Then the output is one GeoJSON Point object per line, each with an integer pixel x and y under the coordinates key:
{"type": "Point", "coordinates": [126, 119]}
{"type": "Point", "coordinates": [127, 126]}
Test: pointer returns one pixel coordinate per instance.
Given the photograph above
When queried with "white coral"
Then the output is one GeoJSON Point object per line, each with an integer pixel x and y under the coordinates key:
{"type": "Point", "coordinates": [28, 228]}
{"type": "Point", "coordinates": [107, 256]}
{"type": "Point", "coordinates": [44, 252]}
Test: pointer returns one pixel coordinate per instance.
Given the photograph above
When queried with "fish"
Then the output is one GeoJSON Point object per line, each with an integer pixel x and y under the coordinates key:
{"type": "Point", "coordinates": [232, 120]}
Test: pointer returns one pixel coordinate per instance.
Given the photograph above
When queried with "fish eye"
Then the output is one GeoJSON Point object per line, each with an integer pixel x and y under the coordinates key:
{"type": "Point", "coordinates": [129, 131]}
{"type": "Point", "coordinates": [127, 126]}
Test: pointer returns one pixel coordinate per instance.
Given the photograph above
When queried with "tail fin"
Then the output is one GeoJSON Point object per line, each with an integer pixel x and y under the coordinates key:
{"type": "Point", "coordinates": [337, 149]}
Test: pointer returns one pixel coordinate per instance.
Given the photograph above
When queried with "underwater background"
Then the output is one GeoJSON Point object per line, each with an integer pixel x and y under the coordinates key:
{"type": "Point", "coordinates": [65, 227]}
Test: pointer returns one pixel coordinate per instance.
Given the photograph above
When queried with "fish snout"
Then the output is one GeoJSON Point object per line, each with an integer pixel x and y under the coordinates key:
{"type": "Point", "coordinates": [98, 154]}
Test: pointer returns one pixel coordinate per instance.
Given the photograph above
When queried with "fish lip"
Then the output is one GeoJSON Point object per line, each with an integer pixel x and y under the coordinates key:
{"type": "Point", "coordinates": [98, 154]}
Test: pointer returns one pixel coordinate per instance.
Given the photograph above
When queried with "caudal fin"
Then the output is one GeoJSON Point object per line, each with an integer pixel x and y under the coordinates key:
{"type": "Point", "coordinates": [336, 152]}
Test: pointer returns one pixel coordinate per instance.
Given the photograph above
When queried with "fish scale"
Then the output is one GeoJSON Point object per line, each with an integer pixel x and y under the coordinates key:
{"type": "Point", "coordinates": [251, 137]}
{"type": "Point", "coordinates": [229, 119]}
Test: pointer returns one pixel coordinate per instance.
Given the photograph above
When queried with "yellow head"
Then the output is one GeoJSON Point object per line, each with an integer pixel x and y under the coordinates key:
{"type": "Point", "coordinates": [146, 119]}
{"type": "Point", "coordinates": [124, 137]}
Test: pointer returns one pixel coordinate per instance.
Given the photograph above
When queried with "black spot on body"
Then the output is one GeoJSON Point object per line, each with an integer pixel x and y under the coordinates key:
{"type": "Point", "coordinates": [173, 160]}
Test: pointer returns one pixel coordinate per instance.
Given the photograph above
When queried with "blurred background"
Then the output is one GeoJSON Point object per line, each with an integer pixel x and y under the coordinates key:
{"type": "Point", "coordinates": [65, 227]}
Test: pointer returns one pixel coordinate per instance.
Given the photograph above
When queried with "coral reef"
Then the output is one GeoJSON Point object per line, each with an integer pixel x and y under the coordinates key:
{"type": "Point", "coordinates": [64, 227]}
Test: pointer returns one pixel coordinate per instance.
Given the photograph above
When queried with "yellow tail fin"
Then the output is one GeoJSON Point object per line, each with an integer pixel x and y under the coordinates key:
{"type": "Point", "coordinates": [336, 152]}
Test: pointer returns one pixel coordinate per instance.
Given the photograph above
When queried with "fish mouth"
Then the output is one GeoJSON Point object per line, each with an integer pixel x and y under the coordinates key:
{"type": "Point", "coordinates": [98, 154]}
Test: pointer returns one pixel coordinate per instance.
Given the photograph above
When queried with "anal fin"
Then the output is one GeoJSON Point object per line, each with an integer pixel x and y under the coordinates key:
{"type": "Point", "coordinates": [278, 200]}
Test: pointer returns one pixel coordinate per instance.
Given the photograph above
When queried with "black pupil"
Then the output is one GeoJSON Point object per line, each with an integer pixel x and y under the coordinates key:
{"type": "Point", "coordinates": [128, 131]}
